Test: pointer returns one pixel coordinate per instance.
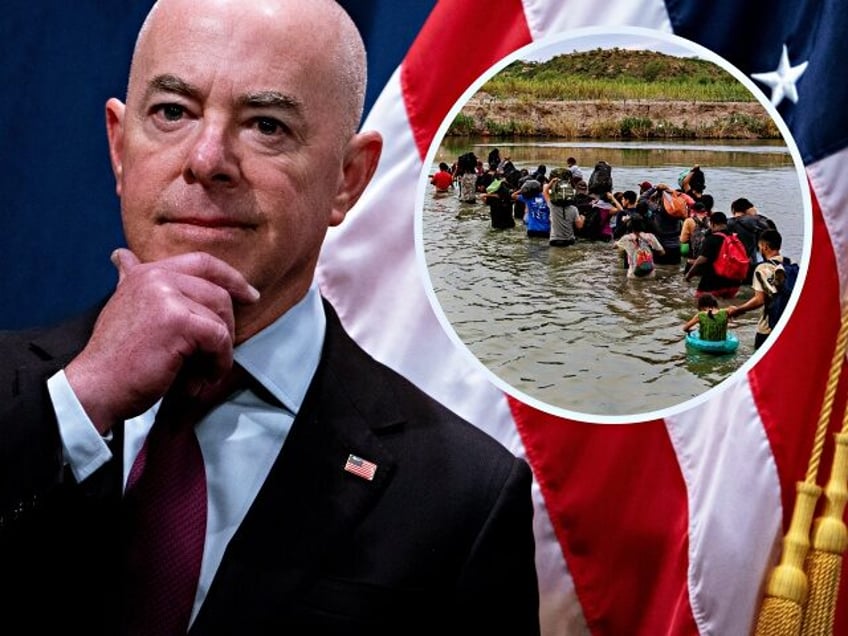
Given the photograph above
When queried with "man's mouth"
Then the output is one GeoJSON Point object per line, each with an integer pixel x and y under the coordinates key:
{"type": "Point", "coordinates": [210, 222]}
{"type": "Point", "coordinates": [207, 222]}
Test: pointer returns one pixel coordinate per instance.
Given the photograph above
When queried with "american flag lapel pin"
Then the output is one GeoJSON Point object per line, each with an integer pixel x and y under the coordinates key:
{"type": "Point", "coordinates": [360, 467]}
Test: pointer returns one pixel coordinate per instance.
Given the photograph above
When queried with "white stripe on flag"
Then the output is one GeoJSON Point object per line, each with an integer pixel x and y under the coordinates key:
{"type": "Point", "coordinates": [733, 492]}
{"type": "Point", "coordinates": [559, 608]}
{"type": "Point", "coordinates": [546, 18]}
{"type": "Point", "coordinates": [829, 178]}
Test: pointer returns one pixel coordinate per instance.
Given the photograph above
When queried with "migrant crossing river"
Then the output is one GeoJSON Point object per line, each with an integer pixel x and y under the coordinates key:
{"type": "Point", "coordinates": [564, 325]}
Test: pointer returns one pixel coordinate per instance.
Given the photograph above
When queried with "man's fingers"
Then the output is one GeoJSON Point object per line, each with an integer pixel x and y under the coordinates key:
{"type": "Point", "coordinates": [209, 295]}
{"type": "Point", "coordinates": [213, 341]}
{"type": "Point", "coordinates": [123, 260]}
{"type": "Point", "coordinates": [197, 264]}
{"type": "Point", "coordinates": [215, 271]}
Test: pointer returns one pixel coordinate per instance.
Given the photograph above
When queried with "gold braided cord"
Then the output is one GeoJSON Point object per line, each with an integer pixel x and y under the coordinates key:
{"type": "Point", "coordinates": [827, 403]}
{"type": "Point", "coordinates": [779, 617]}
{"type": "Point", "coordinates": [781, 613]}
{"type": "Point", "coordinates": [782, 610]}
{"type": "Point", "coordinates": [830, 540]}
{"type": "Point", "coordinates": [823, 570]}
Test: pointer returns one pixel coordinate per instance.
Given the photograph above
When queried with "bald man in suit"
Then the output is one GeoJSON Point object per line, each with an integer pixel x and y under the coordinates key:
{"type": "Point", "coordinates": [337, 497]}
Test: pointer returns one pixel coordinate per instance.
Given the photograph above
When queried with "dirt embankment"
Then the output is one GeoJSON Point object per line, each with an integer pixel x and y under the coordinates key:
{"type": "Point", "coordinates": [485, 115]}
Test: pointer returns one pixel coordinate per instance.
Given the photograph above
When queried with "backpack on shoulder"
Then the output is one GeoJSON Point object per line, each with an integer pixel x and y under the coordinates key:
{"type": "Point", "coordinates": [600, 181]}
{"type": "Point", "coordinates": [643, 258]}
{"type": "Point", "coordinates": [494, 186]}
{"type": "Point", "coordinates": [591, 228]}
{"type": "Point", "coordinates": [732, 261]}
{"type": "Point", "coordinates": [785, 275]}
{"type": "Point", "coordinates": [676, 204]}
{"type": "Point", "coordinates": [696, 240]}
{"type": "Point", "coordinates": [562, 192]}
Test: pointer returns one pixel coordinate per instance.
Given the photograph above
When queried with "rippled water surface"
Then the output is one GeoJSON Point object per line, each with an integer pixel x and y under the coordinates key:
{"type": "Point", "coordinates": [564, 325]}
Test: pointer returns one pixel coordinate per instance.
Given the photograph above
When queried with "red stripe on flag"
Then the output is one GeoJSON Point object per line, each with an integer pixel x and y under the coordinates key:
{"type": "Point", "coordinates": [788, 384]}
{"type": "Point", "coordinates": [458, 42]}
{"type": "Point", "coordinates": [618, 504]}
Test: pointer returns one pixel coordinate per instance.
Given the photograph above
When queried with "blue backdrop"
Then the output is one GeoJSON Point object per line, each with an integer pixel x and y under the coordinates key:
{"type": "Point", "coordinates": [60, 63]}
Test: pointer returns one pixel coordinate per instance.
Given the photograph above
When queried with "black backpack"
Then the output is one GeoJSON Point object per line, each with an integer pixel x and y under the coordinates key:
{"type": "Point", "coordinates": [696, 240]}
{"type": "Point", "coordinates": [777, 302]}
{"type": "Point", "coordinates": [592, 224]}
{"type": "Point", "coordinates": [749, 229]}
{"type": "Point", "coordinates": [600, 181]}
{"type": "Point", "coordinates": [745, 228]}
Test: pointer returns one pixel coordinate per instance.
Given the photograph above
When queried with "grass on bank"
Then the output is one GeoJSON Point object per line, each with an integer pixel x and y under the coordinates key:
{"type": "Point", "coordinates": [532, 99]}
{"type": "Point", "coordinates": [617, 74]}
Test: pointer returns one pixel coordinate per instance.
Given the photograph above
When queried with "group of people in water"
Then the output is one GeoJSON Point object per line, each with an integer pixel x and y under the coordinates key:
{"type": "Point", "coordinates": [660, 224]}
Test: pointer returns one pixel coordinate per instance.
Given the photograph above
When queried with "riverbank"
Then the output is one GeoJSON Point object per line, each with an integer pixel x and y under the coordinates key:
{"type": "Point", "coordinates": [485, 115]}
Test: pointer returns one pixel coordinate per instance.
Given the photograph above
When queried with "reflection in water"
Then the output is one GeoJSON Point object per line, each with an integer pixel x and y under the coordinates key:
{"type": "Point", "coordinates": [565, 326]}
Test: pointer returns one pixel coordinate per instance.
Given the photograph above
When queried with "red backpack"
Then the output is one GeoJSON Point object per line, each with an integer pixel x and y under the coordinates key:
{"type": "Point", "coordinates": [732, 260]}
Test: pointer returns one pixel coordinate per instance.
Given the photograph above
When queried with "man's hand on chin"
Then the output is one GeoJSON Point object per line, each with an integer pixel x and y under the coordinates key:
{"type": "Point", "coordinates": [162, 315]}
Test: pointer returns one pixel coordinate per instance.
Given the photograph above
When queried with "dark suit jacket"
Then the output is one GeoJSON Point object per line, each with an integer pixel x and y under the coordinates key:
{"type": "Point", "coordinates": [439, 542]}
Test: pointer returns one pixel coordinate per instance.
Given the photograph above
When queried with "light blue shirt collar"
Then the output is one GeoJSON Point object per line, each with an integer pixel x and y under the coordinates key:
{"type": "Point", "coordinates": [284, 356]}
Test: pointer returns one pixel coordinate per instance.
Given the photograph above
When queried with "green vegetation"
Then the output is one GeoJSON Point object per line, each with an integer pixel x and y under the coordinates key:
{"type": "Point", "coordinates": [462, 125]}
{"type": "Point", "coordinates": [576, 88]}
{"type": "Point", "coordinates": [617, 74]}
{"type": "Point", "coordinates": [615, 94]}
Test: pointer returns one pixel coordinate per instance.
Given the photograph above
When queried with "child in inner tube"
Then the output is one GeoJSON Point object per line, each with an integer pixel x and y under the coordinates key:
{"type": "Point", "coordinates": [710, 320]}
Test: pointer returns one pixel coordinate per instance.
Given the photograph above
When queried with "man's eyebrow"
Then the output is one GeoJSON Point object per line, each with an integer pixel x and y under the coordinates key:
{"type": "Point", "coordinates": [168, 83]}
{"type": "Point", "coordinates": [271, 99]}
{"type": "Point", "coordinates": [171, 84]}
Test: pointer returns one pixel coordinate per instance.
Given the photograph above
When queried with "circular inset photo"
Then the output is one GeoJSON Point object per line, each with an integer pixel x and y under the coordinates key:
{"type": "Point", "coordinates": [613, 223]}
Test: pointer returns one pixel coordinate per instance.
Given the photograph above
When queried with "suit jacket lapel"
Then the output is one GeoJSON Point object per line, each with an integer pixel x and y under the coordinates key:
{"type": "Point", "coordinates": [309, 502]}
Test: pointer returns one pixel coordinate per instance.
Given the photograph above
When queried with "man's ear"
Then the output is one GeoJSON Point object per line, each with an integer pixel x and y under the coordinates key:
{"type": "Point", "coordinates": [115, 111]}
{"type": "Point", "coordinates": [361, 156]}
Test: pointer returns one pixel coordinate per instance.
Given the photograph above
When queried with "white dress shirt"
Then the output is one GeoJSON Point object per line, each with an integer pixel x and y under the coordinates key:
{"type": "Point", "coordinates": [239, 439]}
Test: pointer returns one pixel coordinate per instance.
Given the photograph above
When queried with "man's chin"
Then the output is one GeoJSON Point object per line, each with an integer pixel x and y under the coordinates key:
{"type": "Point", "coordinates": [213, 238]}
{"type": "Point", "coordinates": [221, 250]}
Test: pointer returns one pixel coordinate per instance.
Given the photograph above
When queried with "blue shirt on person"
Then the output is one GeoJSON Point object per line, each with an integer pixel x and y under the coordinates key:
{"type": "Point", "coordinates": [537, 216]}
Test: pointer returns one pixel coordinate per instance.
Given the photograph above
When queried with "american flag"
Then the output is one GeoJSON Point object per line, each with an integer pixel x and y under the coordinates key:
{"type": "Point", "coordinates": [360, 467]}
{"type": "Point", "coordinates": [668, 526]}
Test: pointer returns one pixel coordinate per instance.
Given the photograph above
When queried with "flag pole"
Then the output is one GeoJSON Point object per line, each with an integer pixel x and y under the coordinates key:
{"type": "Point", "coordinates": [782, 610]}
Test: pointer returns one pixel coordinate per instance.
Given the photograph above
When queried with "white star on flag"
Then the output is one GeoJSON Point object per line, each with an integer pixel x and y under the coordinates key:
{"type": "Point", "coordinates": [782, 81]}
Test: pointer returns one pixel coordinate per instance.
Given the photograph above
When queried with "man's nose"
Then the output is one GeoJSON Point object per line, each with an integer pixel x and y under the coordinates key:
{"type": "Point", "coordinates": [211, 159]}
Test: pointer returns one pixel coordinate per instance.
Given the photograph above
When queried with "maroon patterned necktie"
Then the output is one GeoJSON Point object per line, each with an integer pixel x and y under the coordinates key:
{"type": "Point", "coordinates": [165, 518]}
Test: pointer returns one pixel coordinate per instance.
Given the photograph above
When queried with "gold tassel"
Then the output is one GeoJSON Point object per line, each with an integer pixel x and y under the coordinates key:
{"type": "Point", "coordinates": [783, 611]}
{"type": "Point", "coordinates": [830, 540]}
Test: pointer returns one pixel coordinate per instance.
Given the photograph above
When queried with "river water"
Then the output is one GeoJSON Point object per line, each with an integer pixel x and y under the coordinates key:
{"type": "Point", "coordinates": [564, 326]}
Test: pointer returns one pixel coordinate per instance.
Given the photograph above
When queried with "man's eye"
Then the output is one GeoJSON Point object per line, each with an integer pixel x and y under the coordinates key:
{"type": "Point", "coordinates": [269, 126]}
{"type": "Point", "coordinates": [171, 112]}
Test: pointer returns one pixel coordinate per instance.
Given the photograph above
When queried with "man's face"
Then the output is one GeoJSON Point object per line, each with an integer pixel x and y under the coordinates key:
{"type": "Point", "coordinates": [229, 144]}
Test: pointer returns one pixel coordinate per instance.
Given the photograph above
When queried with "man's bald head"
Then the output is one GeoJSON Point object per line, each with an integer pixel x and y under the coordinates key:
{"type": "Point", "coordinates": [238, 139]}
{"type": "Point", "coordinates": [326, 25]}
